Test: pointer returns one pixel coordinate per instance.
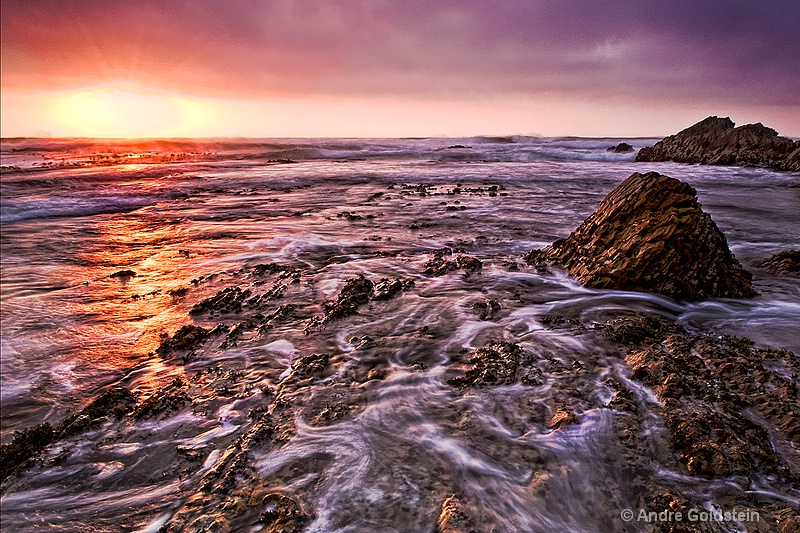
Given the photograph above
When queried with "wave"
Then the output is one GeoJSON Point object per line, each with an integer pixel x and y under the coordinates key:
{"type": "Point", "coordinates": [71, 207]}
{"type": "Point", "coordinates": [516, 148]}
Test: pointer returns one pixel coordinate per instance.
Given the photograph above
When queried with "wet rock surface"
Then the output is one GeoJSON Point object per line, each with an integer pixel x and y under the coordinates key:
{"type": "Point", "coordinates": [494, 365]}
{"type": "Point", "coordinates": [356, 292]}
{"type": "Point", "coordinates": [707, 385]}
{"type": "Point", "coordinates": [716, 141]}
{"type": "Point", "coordinates": [28, 443]}
{"type": "Point", "coordinates": [651, 235]}
{"type": "Point", "coordinates": [443, 261]}
{"type": "Point", "coordinates": [784, 263]}
{"type": "Point", "coordinates": [454, 518]}
{"type": "Point", "coordinates": [185, 339]}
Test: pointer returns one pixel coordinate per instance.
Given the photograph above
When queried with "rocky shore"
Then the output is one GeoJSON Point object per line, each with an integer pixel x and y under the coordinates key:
{"type": "Point", "coordinates": [704, 407]}
{"type": "Point", "coordinates": [717, 141]}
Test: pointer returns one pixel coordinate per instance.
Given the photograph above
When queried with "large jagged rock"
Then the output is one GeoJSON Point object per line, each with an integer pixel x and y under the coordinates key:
{"type": "Point", "coordinates": [651, 235]}
{"type": "Point", "coordinates": [716, 141]}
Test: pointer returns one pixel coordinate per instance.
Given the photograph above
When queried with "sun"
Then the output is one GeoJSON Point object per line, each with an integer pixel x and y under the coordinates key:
{"type": "Point", "coordinates": [128, 112]}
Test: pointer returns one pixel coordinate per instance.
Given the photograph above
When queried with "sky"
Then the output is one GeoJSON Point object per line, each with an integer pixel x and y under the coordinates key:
{"type": "Point", "coordinates": [391, 68]}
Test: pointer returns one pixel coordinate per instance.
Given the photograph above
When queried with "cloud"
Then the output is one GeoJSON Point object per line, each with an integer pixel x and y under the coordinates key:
{"type": "Point", "coordinates": [735, 51]}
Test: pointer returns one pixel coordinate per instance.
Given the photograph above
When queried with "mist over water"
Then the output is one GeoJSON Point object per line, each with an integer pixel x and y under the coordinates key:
{"type": "Point", "coordinates": [192, 218]}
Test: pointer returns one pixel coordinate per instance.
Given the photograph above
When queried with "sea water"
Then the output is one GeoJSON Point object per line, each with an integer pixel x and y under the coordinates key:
{"type": "Point", "coordinates": [195, 215]}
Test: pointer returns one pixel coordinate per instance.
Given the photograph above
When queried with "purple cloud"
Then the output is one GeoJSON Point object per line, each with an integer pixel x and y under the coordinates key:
{"type": "Point", "coordinates": [734, 51]}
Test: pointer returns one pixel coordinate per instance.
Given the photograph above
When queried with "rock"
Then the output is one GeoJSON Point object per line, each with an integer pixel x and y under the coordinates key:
{"type": "Point", "coordinates": [453, 518]}
{"type": "Point", "coordinates": [309, 365]}
{"type": "Point", "coordinates": [493, 365]}
{"type": "Point", "coordinates": [469, 264]}
{"type": "Point", "coordinates": [621, 148]}
{"type": "Point", "coordinates": [708, 386]}
{"type": "Point", "coordinates": [228, 300]}
{"type": "Point", "coordinates": [486, 309]}
{"type": "Point", "coordinates": [179, 292]}
{"type": "Point", "coordinates": [123, 275]}
{"type": "Point", "coordinates": [622, 400]}
{"type": "Point", "coordinates": [439, 266]}
{"type": "Point", "coordinates": [791, 525]}
{"type": "Point", "coordinates": [26, 444]}
{"type": "Point", "coordinates": [281, 314]}
{"type": "Point", "coordinates": [116, 401]}
{"type": "Point", "coordinates": [282, 514]}
{"type": "Point", "coordinates": [716, 141]}
{"type": "Point", "coordinates": [638, 330]}
{"type": "Point", "coordinates": [783, 263]}
{"type": "Point", "coordinates": [186, 338]}
{"type": "Point", "coordinates": [164, 400]}
{"type": "Point", "coordinates": [387, 289]}
{"type": "Point", "coordinates": [650, 235]}
{"type": "Point", "coordinates": [356, 292]}
{"type": "Point", "coordinates": [562, 418]}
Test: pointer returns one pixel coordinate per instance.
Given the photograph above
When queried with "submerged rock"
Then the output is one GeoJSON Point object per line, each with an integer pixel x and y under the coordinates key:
{"type": "Point", "coordinates": [439, 265]}
{"type": "Point", "coordinates": [716, 141]}
{"type": "Point", "coordinates": [493, 365]}
{"type": "Point", "coordinates": [783, 263]}
{"type": "Point", "coordinates": [115, 402]}
{"type": "Point", "coordinates": [651, 235]}
{"type": "Point", "coordinates": [186, 338]}
{"type": "Point", "coordinates": [356, 292]}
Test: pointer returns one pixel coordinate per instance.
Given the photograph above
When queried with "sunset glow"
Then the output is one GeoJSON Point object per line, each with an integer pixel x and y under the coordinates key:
{"type": "Point", "coordinates": [127, 113]}
{"type": "Point", "coordinates": [290, 68]}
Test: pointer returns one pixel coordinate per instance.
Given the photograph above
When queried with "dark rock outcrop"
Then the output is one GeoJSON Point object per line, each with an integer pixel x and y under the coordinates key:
{"type": "Point", "coordinates": [621, 148]}
{"type": "Point", "coordinates": [651, 235]}
{"type": "Point", "coordinates": [439, 265]}
{"type": "Point", "coordinates": [356, 292]}
{"type": "Point", "coordinates": [716, 141]}
{"type": "Point", "coordinates": [186, 338]}
{"type": "Point", "coordinates": [783, 263]}
{"type": "Point", "coordinates": [28, 443]}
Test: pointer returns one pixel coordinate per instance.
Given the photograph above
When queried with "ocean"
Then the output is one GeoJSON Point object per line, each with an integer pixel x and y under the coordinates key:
{"type": "Point", "coordinates": [393, 437]}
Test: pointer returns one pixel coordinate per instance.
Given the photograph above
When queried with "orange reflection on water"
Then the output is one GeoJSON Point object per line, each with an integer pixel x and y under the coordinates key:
{"type": "Point", "coordinates": [122, 318]}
